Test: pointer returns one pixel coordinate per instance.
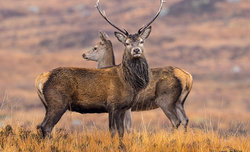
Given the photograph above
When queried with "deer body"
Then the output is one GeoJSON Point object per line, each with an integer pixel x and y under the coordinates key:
{"type": "Point", "coordinates": [89, 90]}
{"type": "Point", "coordinates": [94, 91]}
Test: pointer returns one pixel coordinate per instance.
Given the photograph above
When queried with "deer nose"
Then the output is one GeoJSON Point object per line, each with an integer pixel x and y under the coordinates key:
{"type": "Point", "coordinates": [83, 55]}
{"type": "Point", "coordinates": [136, 51]}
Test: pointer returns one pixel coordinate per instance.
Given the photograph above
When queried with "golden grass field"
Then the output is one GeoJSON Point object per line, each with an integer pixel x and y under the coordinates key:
{"type": "Point", "coordinates": [209, 39]}
{"type": "Point", "coordinates": [194, 140]}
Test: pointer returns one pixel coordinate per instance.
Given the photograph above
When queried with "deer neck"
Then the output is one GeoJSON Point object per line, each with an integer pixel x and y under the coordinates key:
{"type": "Point", "coordinates": [135, 72]}
{"type": "Point", "coordinates": [108, 59]}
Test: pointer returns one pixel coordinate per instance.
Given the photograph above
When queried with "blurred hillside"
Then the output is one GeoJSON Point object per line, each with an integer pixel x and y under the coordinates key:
{"type": "Point", "coordinates": [208, 38]}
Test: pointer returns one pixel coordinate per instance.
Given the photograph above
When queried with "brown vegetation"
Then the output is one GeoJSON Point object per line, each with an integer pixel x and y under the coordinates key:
{"type": "Point", "coordinates": [22, 139]}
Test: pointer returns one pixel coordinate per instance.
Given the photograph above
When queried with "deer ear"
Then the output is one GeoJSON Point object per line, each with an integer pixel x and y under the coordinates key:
{"type": "Point", "coordinates": [145, 33]}
{"type": "Point", "coordinates": [103, 36]}
{"type": "Point", "coordinates": [120, 37]}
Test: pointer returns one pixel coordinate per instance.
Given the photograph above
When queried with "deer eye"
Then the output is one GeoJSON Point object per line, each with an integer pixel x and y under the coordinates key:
{"type": "Point", "coordinates": [95, 48]}
{"type": "Point", "coordinates": [127, 44]}
{"type": "Point", "coordinates": [141, 42]}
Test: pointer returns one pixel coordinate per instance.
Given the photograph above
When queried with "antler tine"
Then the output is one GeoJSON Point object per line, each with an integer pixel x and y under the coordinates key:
{"type": "Point", "coordinates": [157, 14]}
{"type": "Point", "coordinates": [126, 31]}
{"type": "Point", "coordinates": [105, 17]}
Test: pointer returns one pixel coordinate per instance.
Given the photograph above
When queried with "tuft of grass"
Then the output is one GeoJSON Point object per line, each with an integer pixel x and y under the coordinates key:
{"type": "Point", "coordinates": [195, 140]}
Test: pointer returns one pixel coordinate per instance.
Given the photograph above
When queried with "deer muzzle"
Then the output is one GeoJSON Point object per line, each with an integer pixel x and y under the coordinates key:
{"type": "Point", "coordinates": [136, 52]}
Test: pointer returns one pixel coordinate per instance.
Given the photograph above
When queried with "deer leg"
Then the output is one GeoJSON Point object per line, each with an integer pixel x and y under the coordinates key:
{"type": "Point", "coordinates": [51, 119]}
{"type": "Point", "coordinates": [119, 119]}
{"type": "Point", "coordinates": [57, 106]}
{"type": "Point", "coordinates": [112, 124]}
{"type": "Point", "coordinates": [128, 120]}
{"type": "Point", "coordinates": [44, 120]}
{"type": "Point", "coordinates": [169, 109]}
{"type": "Point", "coordinates": [180, 109]}
{"type": "Point", "coordinates": [182, 115]}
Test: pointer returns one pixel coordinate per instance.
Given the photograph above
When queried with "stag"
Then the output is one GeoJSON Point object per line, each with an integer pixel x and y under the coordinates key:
{"type": "Point", "coordinates": [103, 54]}
{"type": "Point", "coordinates": [109, 90]}
{"type": "Point", "coordinates": [168, 87]}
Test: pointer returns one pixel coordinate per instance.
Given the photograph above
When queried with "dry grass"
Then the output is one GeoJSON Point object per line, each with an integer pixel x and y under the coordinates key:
{"type": "Point", "coordinates": [20, 139]}
{"type": "Point", "coordinates": [76, 132]}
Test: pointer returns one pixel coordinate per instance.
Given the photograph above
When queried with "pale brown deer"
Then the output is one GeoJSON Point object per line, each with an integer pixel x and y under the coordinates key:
{"type": "Point", "coordinates": [171, 86]}
{"type": "Point", "coordinates": [109, 90]}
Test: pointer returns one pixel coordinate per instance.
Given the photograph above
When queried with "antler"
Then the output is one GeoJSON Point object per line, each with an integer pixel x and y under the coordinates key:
{"type": "Point", "coordinates": [105, 17]}
{"type": "Point", "coordinates": [157, 14]}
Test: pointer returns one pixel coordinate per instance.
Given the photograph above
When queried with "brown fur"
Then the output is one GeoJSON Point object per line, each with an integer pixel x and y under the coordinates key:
{"type": "Point", "coordinates": [86, 96]}
{"type": "Point", "coordinates": [145, 99]}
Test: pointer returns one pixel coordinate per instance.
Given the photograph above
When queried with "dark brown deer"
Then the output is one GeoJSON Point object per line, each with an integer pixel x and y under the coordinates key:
{"type": "Point", "coordinates": [109, 90]}
{"type": "Point", "coordinates": [171, 86]}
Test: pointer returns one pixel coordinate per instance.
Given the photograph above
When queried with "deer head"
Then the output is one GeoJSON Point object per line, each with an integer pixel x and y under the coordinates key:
{"type": "Point", "coordinates": [133, 42]}
{"type": "Point", "coordinates": [99, 50]}
{"type": "Point", "coordinates": [134, 64]}
{"type": "Point", "coordinates": [102, 52]}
